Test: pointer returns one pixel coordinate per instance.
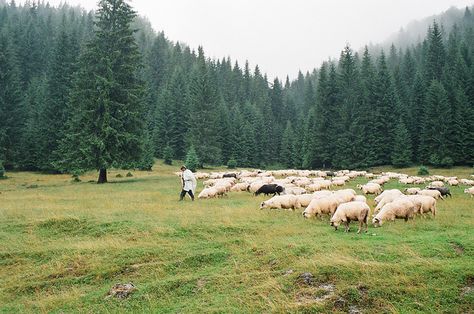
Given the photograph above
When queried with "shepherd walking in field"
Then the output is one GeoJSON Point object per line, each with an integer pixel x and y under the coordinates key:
{"type": "Point", "coordinates": [188, 182]}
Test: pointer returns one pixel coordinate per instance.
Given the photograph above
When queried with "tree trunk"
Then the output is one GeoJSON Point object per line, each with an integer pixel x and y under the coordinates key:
{"type": "Point", "coordinates": [102, 176]}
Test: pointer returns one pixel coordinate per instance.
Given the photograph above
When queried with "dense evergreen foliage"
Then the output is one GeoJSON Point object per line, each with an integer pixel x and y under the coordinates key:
{"type": "Point", "coordinates": [59, 70]}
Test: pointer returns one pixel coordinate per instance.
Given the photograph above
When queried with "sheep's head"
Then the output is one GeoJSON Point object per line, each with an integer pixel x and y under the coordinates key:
{"type": "Point", "coordinates": [335, 223]}
{"type": "Point", "coordinates": [307, 214]}
{"type": "Point", "coordinates": [377, 222]}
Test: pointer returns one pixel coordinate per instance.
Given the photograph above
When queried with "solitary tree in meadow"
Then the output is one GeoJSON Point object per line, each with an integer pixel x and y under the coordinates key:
{"type": "Point", "coordinates": [107, 124]}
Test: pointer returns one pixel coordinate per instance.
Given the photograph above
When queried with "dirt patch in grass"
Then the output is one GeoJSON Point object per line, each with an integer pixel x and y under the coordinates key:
{"type": "Point", "coordinates": [469, 287]}
{"type": "Point", "coordinates": [458, 248]}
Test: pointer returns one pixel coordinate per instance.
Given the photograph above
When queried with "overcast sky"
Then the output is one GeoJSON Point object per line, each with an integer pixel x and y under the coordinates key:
{"type": "Point", "coordinates": [281, 36]}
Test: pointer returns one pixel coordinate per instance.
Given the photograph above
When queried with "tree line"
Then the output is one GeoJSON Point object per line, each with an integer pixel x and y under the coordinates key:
{"type": "Point", "coordinates": [408, 105]}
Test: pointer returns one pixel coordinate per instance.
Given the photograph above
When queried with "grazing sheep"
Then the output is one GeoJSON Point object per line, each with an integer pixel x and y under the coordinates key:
{"type": "Point", "coordinates": [360, 198]}
{"type": "Point", "coordinates": [314, 187]}
{"type": "Point", "coordinates": [400, 208]}
{"type": "Point", "coordinates": [370, 188]}
{"type": "Point", "coordinates": [281, 202]}
{"type": "Point", "coordinates": [423, 204]}
{"type": "Point", "coordinates": [470, 191]}
{"type": "Point", "coordinates": [443, 190]}
{"type": "Point", "coordinates": [305, 199]}
{"type": "Point", "coordinates": [270, 189]}
{"type": "Point", "coordinates": [346, 195]}
{"type": "Point", "coordinates": [240, 187]}
{"type": "Point", "coordinates": [385, 193]}
{"type": "Point", "coordinates": [338, 182]}
{"type": "Point", "coordinates": [254, 186]}
{"type": "Point", "coordinates": [294, 191]}
{"type": "Point", "coordinates": [433, 193]}
{"type": "Point", "coordinates": [412, 191]}
{"type": "Point", "coordinates": [467, 181]}
{"type": "Point", "coordinates": [436, 184]}
{"type": "Point", "coordinates": [453, 182]}
{"type": "Point", "coordinates": [351, 211]}
{"type": "Point", "coordinates": [326, 205]}
{"type": "Point", "coordinates": [387, 199]}
{"type": "Point", "coordinates": [210, 193]}
{"type": "Point", "coordinates": [321, 194]}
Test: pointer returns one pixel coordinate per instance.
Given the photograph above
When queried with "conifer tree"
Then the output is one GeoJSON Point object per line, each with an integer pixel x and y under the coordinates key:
{"type": "Point", "coordinates": [435, 135]}
{"type": "Point", "coordinates": [203, 102]}
{"type": "Point", "coordinates": [436, 54]}
{"type": "Point", "coordinates": [192, 160]}
{"type": "Point", "coordinates": [106, 128]}
{"type": "Point", "coordinates": [54, 113]}
{"type": "Point", "coordinates": [402, 153]}
{"type": "Point", "coordinates": [387, 111]}
{"type": "Point", "coordinates": [12, 111]}
{"type": "Point", "coordinates": [287, 150]}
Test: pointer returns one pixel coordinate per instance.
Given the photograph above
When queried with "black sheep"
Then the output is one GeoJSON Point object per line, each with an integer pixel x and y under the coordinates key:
{"type": "Point", "coordinates": [270, 189]}
{"type": "Point", "coordinates": [443, 190]}
{"type": "Point", "coordinates": [230, 175]}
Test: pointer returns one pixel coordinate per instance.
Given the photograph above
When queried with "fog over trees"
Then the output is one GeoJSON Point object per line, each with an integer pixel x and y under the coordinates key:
{"type": "Point", "coordinates": [412, 102]}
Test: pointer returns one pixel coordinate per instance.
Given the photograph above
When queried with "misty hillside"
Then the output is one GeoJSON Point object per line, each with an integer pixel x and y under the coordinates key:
{"type": "Point", "coordinates": [405, 106]}
{"type": "Point", "coordinates": [415, 32]}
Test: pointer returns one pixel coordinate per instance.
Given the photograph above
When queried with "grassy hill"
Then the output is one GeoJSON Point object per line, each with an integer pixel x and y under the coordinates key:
{"type": "Point", "coordinates": [63, 245]}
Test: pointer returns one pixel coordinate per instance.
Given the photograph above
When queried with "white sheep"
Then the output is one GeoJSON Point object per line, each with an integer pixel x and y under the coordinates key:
{"type": "Point", "coordinates": [360, 198]}
{"type": "Point", "coordinates": [436, 184]}
{"type": "Point", "coordinates": [240, 187]}
{"type": "Point", "coordinates": [326, 205]}
{"type": "Point", "coordinates": [387, 199]}
{"type": "Point", "coordinates": [466, 182]}
{"type": "Point", "coordinates": [371, 188]}
{"type": "Point", "coordinates": [470, 191]}
{"type": "Point", "coordinates": [305, 199]}
{"type": "Point", "coordinates": [281, 202]}
{"type": "Point", "coordinates": [338, 182]}
{"type": "Point", "coordinates": [254, 186]}
{"type": "Point", "coordinates": [423, 204]}
{"type": "Point", "coordinates": [294, 190]}
{"type": "Point", "coordinates": [346, 195]}
{"type": "Point", "coordinates": [385, 193]}
{"type": "Point", "coordinates": [433, 193]}
{"type": "Point", "coordinates": [351, 211]}
{"type": "Point", "coordinates": [400, 208]}
{"type": "Point", "coordinates": [453, 182]}
{"type": "Point", "coordinates": [321, 194]}
{"type": "Point", "coordinates": [412, 191]}
{"type": "Point", "coordinates": [209, 193]}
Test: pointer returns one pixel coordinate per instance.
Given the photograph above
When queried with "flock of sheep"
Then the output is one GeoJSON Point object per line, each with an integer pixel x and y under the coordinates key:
{"type": "Point", "coordinates": [311, 190]}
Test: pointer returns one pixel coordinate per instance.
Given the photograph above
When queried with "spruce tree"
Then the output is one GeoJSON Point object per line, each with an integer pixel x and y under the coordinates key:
{"type": "Point", "coordinates": [168, 155]}
{"type": "Point", "coordinates": [203, 101]}
{"type": "Point", "coordinates": [106, 128]}
{"type": "Point", "coordinates": [2, 170]}
{"type": "Point", "coordinates": [192, 160]}
{"type": "Point", "coordinates": [435, 135]}
{"type": "Point", "coordinates": [387, 111]}
{"type": "Point", "coordinates": [402, 153]}
{"type": "Point", "coordinates": [54, 113]}
{"type": "Point", "coordinates": [12, 111]}
{"type": "Point", "coordinates": [287, 150]}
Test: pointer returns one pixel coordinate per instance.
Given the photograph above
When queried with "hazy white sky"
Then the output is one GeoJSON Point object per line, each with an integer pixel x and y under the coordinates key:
{"type": "Point", "coordinates": [281, 36]}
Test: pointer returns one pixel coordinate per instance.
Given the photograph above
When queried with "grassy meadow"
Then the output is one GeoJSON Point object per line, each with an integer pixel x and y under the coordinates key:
{"type": "Point", "coordinates": [63, 245]}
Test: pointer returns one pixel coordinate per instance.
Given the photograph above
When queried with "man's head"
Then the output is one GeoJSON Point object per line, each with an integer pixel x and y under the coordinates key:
{"type": "Point", "coordinates": [183, 168]}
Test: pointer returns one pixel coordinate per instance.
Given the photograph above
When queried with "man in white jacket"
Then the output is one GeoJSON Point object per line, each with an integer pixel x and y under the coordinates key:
{"type": "Point", "coordinates": [188, 182]}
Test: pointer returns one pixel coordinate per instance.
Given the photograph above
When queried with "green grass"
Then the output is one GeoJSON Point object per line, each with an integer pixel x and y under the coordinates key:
{"type": "Point", "coordinates": [63, 245]}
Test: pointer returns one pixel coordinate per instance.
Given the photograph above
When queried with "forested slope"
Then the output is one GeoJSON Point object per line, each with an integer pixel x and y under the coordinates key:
{"type": "Point", "coordinates": [411, 105]}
